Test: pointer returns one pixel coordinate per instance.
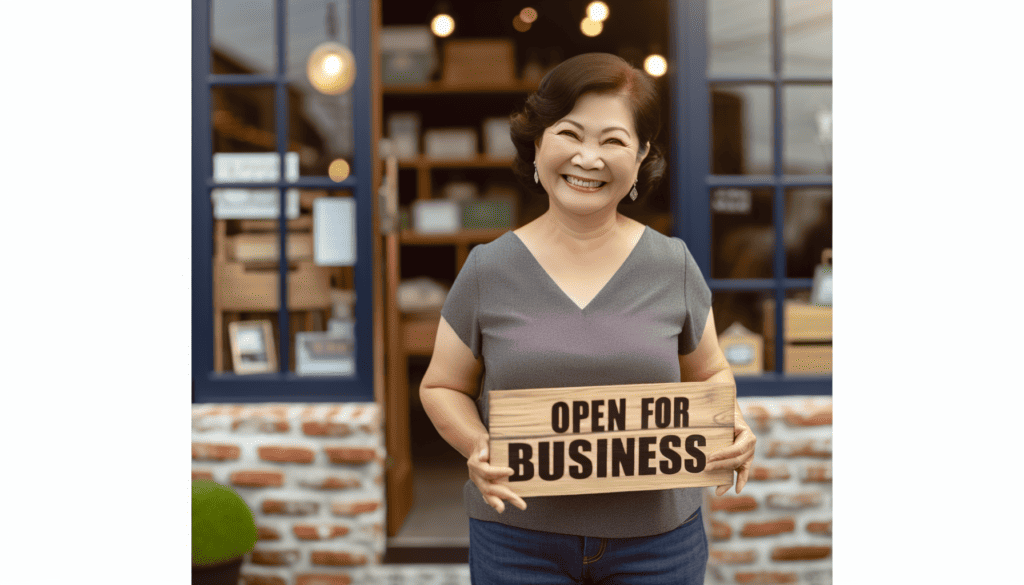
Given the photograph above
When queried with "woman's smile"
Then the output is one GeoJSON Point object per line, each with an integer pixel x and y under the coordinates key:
{"type": "Point", "coordinates": [583, 185]}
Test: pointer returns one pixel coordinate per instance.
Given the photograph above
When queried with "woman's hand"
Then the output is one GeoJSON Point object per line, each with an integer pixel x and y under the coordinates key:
{"type": "Point", "coordinates": [485, 475]}
{"type": "Point", "coordinates": [739, 456]}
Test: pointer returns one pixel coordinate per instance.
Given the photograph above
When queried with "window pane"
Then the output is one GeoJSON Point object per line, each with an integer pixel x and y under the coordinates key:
{"type": "Point", "coordinates": [322, 288]}
{"type": "Point", "coordinates": [807, 348]}
{"type": "Point", "coordinates": [807, 129]}
{"type": "Point", "coordinates": [807, 37]}
{"type": "Point", "coordinates": [739, 37]}
{"type": "Point", "coordinates": [243, 119]}
{"type": "Point", "coordinates": [808, 229]}
{"type": "Point", "coordinates": [739, 319]}
{"type": "Point", "coordinates": [742, 237]}
{"type": "Point", "coordinates": [320, 124]}
{"type": "Point", "coordinates": [741, 130]}
{"type": "Point", "coordinates": [242, 37]}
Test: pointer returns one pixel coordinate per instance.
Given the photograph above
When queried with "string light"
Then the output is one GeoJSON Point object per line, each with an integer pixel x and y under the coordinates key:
{"type": "Point", "coordinates": [442, 25]}
{"type": "Point", "coordinates": [591, 28]}
{"type": "Point", "coordinates": [339, 170]}
{"type": "Point", "coordinates": [528, 15]}
{"type": "Point", "coordinates": [520, 25]}
{"type": "Point", "coordinates": [655, 65]}
{"type": "Point", "coordinates": [597, 11]}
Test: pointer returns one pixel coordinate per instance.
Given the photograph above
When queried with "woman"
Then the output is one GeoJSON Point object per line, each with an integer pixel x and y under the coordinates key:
{"type": "Point", "coordinates": [581, 296]}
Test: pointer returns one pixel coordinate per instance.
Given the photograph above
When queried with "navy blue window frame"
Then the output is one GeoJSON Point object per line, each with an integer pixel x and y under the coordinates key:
{"type": "Point", "coordinates": [691, 89]}
{"type": "Point", "coordinates": [282, 386]}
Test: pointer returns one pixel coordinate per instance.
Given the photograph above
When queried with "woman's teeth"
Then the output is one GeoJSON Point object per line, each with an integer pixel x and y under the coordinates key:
{"type": "Point", "coordinates": [580, 183]}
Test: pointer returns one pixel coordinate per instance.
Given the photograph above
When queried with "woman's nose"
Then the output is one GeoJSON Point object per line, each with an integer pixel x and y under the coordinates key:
{"type": "Point", "coordinates": [587, 158]}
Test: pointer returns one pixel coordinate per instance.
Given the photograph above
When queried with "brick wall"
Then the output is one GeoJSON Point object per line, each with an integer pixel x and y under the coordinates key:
{"type": "Point", "coordinates": [779, 530]}
{"type": "Point", "coordinates": [313, 476]}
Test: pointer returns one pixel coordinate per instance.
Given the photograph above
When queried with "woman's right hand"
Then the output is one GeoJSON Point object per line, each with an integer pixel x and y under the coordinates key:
{"type": "Point", "coordinates": [485, 476]}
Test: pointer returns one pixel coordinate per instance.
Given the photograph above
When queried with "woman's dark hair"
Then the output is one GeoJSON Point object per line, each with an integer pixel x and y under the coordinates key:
{"type": "Point", "coordinates": [557, 95]}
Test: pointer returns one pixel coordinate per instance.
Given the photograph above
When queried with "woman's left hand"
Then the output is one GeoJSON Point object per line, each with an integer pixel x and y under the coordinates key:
{"type": "Point", "coordinates": [739, 456]}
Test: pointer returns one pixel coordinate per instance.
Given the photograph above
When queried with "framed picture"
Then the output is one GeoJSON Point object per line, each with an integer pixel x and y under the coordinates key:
{"type": "Point", "coordinates": [252, 347]}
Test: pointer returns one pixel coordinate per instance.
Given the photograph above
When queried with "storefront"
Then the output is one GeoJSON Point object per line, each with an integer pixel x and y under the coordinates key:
{"type": "Point", "coordinates": [396, 163]}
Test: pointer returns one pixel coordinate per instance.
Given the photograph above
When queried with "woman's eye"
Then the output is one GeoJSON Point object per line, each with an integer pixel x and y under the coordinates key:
{"type": "Point", "coordinates": [616, 140]}
{"type": "Point", "coordinates": [569, 132]}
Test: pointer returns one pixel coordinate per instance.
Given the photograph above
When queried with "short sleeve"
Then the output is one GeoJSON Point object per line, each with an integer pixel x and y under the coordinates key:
{"type": "Point", "coordinates": [697, 297]}
{"type": "Point", "coordinates": [462, 305]}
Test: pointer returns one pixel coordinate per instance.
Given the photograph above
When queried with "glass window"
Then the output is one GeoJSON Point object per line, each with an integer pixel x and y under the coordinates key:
{"type": "Point", "coordinates": [242, 37]}
{"type": "Point", "coordinates": [742, 236]}
{"type": "Point", "coordinates": [741, 130]}
{"type": "Point", "coordinates": [807, 129]}
{"type": "Point", "coordinates": [807, 37]}
{"type": "Point", "coordinates": [739, 37]}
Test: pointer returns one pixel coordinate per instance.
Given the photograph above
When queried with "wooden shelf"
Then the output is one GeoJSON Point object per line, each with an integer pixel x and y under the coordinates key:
{"type": "Point", "coordinates": [438, 87]}
{"type": "Point", "coordinates": [480, 162]}
{"type": "Point", "coordinates": [480, 236]}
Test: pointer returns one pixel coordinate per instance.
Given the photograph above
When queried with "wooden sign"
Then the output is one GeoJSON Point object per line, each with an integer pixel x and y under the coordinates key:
{"type": "Point", "coordinates": [599, 439]}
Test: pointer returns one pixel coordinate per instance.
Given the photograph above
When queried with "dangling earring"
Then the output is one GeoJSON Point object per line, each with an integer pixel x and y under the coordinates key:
{"type": "Point", "coordinates": [633, 194]}
{"type": "Point", "coordinates": [536, 177]}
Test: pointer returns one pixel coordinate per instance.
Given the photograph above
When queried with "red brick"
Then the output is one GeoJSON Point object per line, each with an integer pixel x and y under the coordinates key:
{"type": "Point", "coordinates": [720, 530]}
{"type": "Point", "coordinates": [197, 474]}
{"type": "Point", "coordinates": [766, 578]}
{"type": "Point", "coordinates": [732, 557]}
{"type": "Point", "coordinates": [811, 448]}
{"type": "Point", "coordinates": [322, 579]}
{"type": "Point", "coordinates": [336, 559]}
{"type": "Point", "coordinates": [819, 417]}
{"type": "Point", "coordinates": [326, 429]}
{"type": "Point", "coordinates": [310, 532]}
{"type": "Point", "coordinates": [354, 455]}
{"type": "Point", "coordinates": [800, 501]}
{"type": "Point", "coordinates": [278, 558]}
{"type": "Point", "coordinates": [800, 553]}
{"type": "Point", "coordinates": [758, 418]}
{"type": "Point", "coordinates": [289, 507]}
{"type": "Point", "coordinates": [823, 528]}
{"type": "Point", "coordinates": [257, 478]}
{"type": "Point", "coordinates": [764, 473]}
{"type": "Point", "coordinates": [286, 454]}
{"type": "Point", "coordinates": [371, 429]}
{"type": "Point", "coordinates": [817, 474]}
{"type": "Point", "coordinates": [733, 503]}
{"type": "Point", "coordinates": [354, 508]}
{"type": "Point", "coordinates": [214, 452]}
{"type": "Point", "coordinates": [331, 483]}
{"type": "Point", "coordinates": [753, 529]}
{"type": "Point", "coordinates": [267, 533]}
{"type": "Point", "coordinates": [262, 580]}
{"type": "Point", "coordinates": [255, 425]}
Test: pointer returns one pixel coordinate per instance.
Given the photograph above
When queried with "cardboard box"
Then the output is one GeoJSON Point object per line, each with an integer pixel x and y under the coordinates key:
{"type": "Point", "coordinates": [408, 54]}
{"type": "Point", "coordinates": [266, 247]}
{"type": "Point", "coordinates": [808, 359]}
{"type": "Point", "coordinates": [436, 216]}
{"type": "Point", "coordinates": [450, 143]}
{"type": "Point", "coordinates": [479, 62]}
{"type": "Point", "coordinates": [804, 323]}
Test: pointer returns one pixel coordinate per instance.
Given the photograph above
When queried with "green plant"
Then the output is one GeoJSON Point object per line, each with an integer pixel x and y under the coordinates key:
{"type": "Point", "coordinates": [223, 527]}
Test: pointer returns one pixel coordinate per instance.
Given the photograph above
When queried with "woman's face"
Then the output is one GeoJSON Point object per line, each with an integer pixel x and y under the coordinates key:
{"type": "Point", "coordinates": [588, 160]}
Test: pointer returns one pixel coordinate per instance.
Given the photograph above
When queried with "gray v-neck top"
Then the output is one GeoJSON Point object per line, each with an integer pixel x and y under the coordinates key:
{"type": "Point", "coordinates": [505, 307]}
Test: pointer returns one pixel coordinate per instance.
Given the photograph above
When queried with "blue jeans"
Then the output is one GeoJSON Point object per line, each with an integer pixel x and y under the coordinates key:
{"type": "Point", "coordinates": [504, 555]}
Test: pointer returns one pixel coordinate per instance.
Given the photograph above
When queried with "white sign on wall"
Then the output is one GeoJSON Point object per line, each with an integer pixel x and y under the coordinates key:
{"type": "Point", "coordinates": [334, 231]}
{"type": "Point", "coordinates": [253, 167]}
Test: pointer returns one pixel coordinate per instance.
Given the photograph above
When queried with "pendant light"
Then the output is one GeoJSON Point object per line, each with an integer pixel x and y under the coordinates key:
{"type": "Point", "coordinates": [331, 67]}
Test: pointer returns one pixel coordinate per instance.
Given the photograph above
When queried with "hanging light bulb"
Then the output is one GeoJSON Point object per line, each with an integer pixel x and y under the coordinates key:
{"type": "Point", "coordinates": [528, 15]}
{"type": "Point", "coordinates": [597, 11]}
{"type": "Point", "coordinates": [655, 65]}
{"type": "Point", "coordinates": [442, 25]}
{"type": "Point", "coordinates": [591, 28]}
{"type": "Point", "coordinates": [331, 67]}
{"type": "Point", "coordinates": [338, 170]}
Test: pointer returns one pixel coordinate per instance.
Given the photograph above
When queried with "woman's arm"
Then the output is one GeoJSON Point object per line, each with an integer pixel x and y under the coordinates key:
{"type": "Point", "coordinates": [448, 390]}
{"type": "Point", "coordinates": [707, 363]}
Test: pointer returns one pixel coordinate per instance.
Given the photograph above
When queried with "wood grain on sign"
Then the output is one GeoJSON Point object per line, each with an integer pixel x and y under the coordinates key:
{"type": "Point", "coordinates": [599, 439]}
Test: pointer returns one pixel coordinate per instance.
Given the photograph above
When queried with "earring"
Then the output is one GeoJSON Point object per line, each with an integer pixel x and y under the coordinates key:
{"type": "Point", "coordinates": [536, 177]}
{"type": "Point", "coordinates": [633, 194]}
